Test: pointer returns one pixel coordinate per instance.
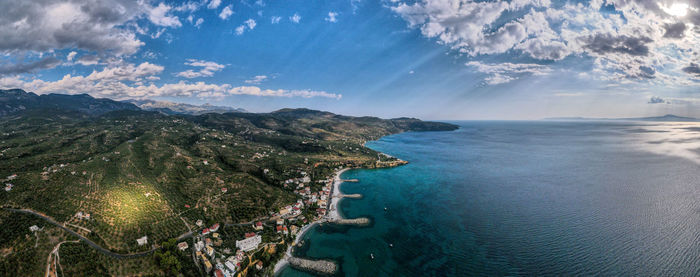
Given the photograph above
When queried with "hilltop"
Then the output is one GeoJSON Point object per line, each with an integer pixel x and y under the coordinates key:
{"type": "Point", "coordinates": [116, 173]}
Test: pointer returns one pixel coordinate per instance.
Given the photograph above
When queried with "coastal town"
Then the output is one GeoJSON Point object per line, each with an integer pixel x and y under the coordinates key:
{"type": "Point", "coordinates": [279, 233]}
{"type": "Point", "coordinates": [288, 225]}
{"type": "Point", "coordinates": [138, 193]}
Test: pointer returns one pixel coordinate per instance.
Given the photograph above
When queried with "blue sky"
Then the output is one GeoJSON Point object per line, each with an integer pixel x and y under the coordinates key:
{"type": "Point", "coordinates": [431, 59]}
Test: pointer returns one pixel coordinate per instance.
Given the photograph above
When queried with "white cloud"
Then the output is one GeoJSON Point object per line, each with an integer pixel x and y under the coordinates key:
{"type": "Point", "coordinates": [250, 23]}
{"type": "Point", "coordinates": [332, 17]}
{"type": "Point", "coordinates": [213, 4]}
{"type": "Point", "coordinates": [199, 22]}
{"type": "Point", "coordinates": [71, 55]}
{"type": "Point", "coordinates": [226, 12]}
{"type": "Point", "coordinates": [295, 18]}
{"type": "Point", "coordinates": [642, 41]}
{"type": "Point", "coordinates": [500, 73]}
{"type": "Point", "coordinates": [206, 69]}
{"type": "Point", "coordinates": [240, 29]}
{"type": "Point", "coordinates": [188, 7]}
{"type": "Point", "coordinates": [250, 90]}
{"type": "Point", "coordinates": [52, 24]}
{"type": "Point", "coordinates": [130, 81]}
{"type": "Point", "coordinates": [88, 60]}
{"type": "Point", "coordinates": [256, 80]}
{"type": "Point", "coordinates": [275, 19]}
{"type": "Point", "coordinates": [160, 15]}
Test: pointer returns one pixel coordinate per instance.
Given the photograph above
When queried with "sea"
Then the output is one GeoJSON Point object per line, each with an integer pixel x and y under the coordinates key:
{"type": "Point", "coordinates": [523, 198]}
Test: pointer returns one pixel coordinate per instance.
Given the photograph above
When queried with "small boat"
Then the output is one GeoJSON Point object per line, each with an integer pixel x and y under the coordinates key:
{"type": "Point", "coordinates": [371, 256]}
{"type": "Point", "coordinates": [385, 208]}
{"type": "Point", "coordinates": [391, 245]}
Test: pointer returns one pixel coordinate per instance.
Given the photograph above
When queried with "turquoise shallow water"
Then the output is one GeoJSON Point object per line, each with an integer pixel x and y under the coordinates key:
{"type": "Point", "coordinates": [525, 198]}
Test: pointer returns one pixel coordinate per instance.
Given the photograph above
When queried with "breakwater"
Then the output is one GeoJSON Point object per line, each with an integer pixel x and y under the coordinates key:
{"type": "Point", "coordinates": [323, 267]}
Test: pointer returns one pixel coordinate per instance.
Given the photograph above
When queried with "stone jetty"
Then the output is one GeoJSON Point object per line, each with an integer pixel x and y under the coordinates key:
{"type": "Point", "coordinates": [323, 267]}
{"type": "Point", "coordinates": [362, 221]}
{"type": "Point", "coordinates": [354, 196]}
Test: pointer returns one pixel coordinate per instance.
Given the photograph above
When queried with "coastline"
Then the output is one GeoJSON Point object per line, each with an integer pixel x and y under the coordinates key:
{"type": "Point", "coordinates": [332, 214]}
{"type": "Point", "coordinates": [336, 195]}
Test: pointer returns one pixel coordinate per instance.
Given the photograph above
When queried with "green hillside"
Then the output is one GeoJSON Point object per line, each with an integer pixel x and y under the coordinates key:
{"type": "Point", "coordinates": [140, 173]}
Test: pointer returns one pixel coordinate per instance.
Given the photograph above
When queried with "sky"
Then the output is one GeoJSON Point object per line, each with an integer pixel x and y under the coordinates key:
{"type": "Point", "coordinates": [431, 59]}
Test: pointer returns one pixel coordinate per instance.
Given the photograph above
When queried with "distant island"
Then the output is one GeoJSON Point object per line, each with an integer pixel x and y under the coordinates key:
{"type": "Point", "coordinates": [668, 117]}
{"type": "Point", "coordinates": [149, 188]}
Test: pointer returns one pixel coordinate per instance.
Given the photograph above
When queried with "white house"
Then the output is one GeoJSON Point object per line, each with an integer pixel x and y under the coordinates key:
{"type": "Point", "coordinates": [249, 244]}
{"type": "Point", "coordinates": [142, 241]}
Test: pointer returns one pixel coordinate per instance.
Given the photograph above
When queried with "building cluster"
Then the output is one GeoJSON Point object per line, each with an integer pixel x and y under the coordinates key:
{"type": "Point", "coordinates": [282, 227]}
{"type": "Point", "coordinates": [292, 210]}
{"type": "Point", "coordinates": [220, 263]}
{"type": "Point", "coordinates": [81, 215]}
{"type": "Point", "coordinates": [320, 198]}
{"type": "Point", "coordinates": [9, 186]}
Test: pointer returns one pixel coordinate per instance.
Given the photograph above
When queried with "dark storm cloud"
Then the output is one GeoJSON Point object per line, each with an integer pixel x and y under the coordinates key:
{"type": "Point", "coordinates": [607, 43]}
{"type": "Point", "coordinates": [657, 100]}
{"type": "Point", "coordinates": [693, 68]}
{"type": "Point", "coordinates": [675, 30]}
{"type": "Point", "coordinates": [19, 68]}
{"type": "Point", "coordinates": [94, 25]}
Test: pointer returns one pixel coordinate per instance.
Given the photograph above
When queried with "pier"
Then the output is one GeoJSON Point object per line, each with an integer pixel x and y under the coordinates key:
{"type": "Point", "coordinates": [353, 196]}
{"type": "Point", "coordinates": [323, 267]}
{"type": "Point", "coordinates": [350, 180]}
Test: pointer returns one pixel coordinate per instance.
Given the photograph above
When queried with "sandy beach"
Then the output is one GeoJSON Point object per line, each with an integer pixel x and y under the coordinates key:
{"type": "Point", "coordinates": [336, 195]}
{"type": "Point", "coordinates": [332, 214]}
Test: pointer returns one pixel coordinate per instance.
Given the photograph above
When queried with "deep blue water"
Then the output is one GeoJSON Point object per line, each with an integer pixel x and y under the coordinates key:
{"type": "Point", "coordinates": [525, 198]}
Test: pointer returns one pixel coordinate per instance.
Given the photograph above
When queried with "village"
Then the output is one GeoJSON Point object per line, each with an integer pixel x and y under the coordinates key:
{"type": "Point", "coordinates": [208, 246]}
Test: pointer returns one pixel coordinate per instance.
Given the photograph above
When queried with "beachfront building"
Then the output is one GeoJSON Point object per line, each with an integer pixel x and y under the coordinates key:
{"type": "Point", "coordinates": [249, 244]}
